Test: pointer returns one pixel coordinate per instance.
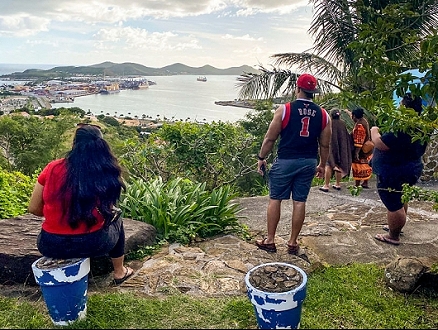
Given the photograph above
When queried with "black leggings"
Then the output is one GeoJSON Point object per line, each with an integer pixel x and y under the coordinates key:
{"type": "Point", "coordinates": [106, 241]}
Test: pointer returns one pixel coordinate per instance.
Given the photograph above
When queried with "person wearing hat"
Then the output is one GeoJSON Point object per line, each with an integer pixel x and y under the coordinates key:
{"type": "Point", "coordinates": [304, 130]}
{"type": "Point", "coordinates": [340, 156]}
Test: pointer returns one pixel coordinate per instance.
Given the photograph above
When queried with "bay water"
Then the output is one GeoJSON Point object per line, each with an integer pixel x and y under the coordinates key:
{"type": "Point", "coordinates": [177, 97]}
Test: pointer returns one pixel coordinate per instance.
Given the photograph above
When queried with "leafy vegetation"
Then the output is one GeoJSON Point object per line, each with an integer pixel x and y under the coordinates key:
{"type": "Point", "coordinates": [361, 51]}
{"type": "Point", "coordinates": [15, 191]}
{"type": "Point", "coordinates": [181, 210]}
{"type": "Point", "coordinates": [216, 154]}
{"type": "Point", "coordinates": [394, 28]}
{"type": "Point", "coordinates": [29, 143]}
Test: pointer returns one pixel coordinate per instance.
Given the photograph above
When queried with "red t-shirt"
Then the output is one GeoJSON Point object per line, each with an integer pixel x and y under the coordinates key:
{"type": "Point", "coordinates": [55, 221]}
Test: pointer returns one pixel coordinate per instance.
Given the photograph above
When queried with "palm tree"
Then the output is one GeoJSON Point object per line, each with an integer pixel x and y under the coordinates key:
{"type": "Point", "coordinates": [335, 26]}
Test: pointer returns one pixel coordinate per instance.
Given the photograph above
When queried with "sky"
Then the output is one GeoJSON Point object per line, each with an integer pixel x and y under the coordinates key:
{"type": "Point", "coordinates": [154, 33]}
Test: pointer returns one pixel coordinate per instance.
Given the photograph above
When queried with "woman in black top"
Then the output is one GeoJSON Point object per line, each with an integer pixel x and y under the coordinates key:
{"type": "Point", "coordinates": [396, 160]}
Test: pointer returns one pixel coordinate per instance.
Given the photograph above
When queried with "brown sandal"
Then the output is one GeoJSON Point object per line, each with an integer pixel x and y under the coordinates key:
{"type": "Point", "coordinates": [293, 249]}
{"type": "Point", "coordinates": [269, 247]}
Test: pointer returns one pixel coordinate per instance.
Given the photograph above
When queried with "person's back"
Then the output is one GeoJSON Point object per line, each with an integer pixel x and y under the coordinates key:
{"type": "Point", "coordinates": [302, 126]}
{"type": "Point", "coordinates": [340, 158]}
{"type": "Point", "coordinates": [77, 195]}
{"type": "Point", "coordinates": [397, 161]}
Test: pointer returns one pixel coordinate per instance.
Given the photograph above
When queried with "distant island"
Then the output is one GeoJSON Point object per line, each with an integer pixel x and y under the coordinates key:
{"type": "Point", "coordinates": [110, 69]}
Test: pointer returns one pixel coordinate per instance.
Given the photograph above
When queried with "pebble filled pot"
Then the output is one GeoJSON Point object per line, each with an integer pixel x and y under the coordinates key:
{"type": "Point", "coordinates": [277, 291]}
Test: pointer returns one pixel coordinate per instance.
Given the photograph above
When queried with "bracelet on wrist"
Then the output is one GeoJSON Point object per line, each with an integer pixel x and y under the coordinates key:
{"type": "Point", "coordinates": [260, 158]}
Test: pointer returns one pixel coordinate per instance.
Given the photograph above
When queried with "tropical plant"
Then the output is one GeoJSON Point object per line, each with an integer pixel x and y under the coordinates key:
{"type": "Point", "coordinates": [15, 191]}
{"type": "Point", "coordinates": [215, 153]}
{"type": "Point", "coordinates": [181, 210]}
{"type": "Point", "coordinates": [335, 25]}
{"type": "Point", "coordinates": [29, 143]}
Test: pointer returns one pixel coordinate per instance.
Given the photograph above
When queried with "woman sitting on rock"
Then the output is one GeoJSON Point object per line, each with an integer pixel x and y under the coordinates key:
{"type": "Point", "coordinates": [77, 197]}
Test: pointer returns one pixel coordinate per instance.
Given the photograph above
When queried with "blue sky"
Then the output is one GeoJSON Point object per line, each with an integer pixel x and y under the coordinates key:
{"type": "Point", "coordinates": [154, 33]}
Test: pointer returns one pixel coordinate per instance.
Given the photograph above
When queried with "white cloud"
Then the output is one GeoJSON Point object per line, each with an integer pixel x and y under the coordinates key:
{"type": "Point", "coordinates": [245, 37]}
{"type": "Point", "coordinates": [21, 25]}
{"type": "Point", "coordinates": [154, 33]}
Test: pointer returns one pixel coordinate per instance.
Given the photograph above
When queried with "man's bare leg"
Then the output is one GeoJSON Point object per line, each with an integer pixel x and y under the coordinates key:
{"type": "Point", "coordinates": [327, 177]}
{"type": "Point", "coordinates": [273, 217]}
{"type": "Point", "coordinates": [298, 215]}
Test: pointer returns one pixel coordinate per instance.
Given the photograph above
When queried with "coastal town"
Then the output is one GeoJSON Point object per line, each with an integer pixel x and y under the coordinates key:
{"type": "Point", "coordinates": [43, 95]}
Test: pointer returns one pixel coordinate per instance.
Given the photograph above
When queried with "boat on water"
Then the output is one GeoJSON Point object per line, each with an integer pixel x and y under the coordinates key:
{"type": "Point", "coordinates": [202, 78]}
{"type": "Point", "coordinates": [143, 84]}
{"type": "Point", "coordinates": [110, 89]}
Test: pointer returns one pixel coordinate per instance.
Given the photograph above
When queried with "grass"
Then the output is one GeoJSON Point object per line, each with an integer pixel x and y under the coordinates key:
{"type": "Point", "coordinates": [352, 296]}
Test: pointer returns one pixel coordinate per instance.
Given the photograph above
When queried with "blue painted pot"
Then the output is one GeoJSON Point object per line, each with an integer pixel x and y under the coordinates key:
{"type": "Point", "coordinates": [277, 310]}
{"type": "Point", "coordinates": [64, 288]}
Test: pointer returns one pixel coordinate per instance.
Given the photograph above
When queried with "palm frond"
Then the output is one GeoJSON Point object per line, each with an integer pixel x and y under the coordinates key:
{"type": "Point", "coordinates": [334, 27]}
{"type": "Point", "coordinates": [310, 63]}
{"type": "Point", "coordinates": [274, 83]}
{"type": "Point", "coordinates": [266, 85]}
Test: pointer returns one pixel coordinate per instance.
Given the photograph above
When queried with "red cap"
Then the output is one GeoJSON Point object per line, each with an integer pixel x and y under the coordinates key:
{"type": "Point", "coordinates": [307, 83]}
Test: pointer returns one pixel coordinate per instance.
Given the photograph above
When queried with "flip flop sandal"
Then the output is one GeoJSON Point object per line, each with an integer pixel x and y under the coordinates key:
{"type": "Point", "coordinates": [269, 247]}
{"type": "Point", "coordinates": [118, 281]}
{"type": "Point", "coordinates": [293, 249]}
{"type": "Point", "coordinates": [336, 187]}
{"type": "Point", "coordinates": [385, 239]}
{"type": "Point", "coordinates": [323, 189]}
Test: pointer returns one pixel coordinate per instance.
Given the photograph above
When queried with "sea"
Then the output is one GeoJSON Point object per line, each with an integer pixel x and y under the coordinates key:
{"type": "Point", "coordinates": [178, 97]}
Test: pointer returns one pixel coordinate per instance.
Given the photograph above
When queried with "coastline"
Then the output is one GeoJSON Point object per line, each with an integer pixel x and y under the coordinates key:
{"type": "Point", "coordinates": [175, 97]}
{"type": "Point", "coordinates": [237, 103]}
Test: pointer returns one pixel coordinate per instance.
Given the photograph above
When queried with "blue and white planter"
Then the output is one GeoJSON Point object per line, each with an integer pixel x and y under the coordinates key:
{"type": "Point", "coordinates": [64, 290]}
{"type": "Point", "coordinates": [277, 310]}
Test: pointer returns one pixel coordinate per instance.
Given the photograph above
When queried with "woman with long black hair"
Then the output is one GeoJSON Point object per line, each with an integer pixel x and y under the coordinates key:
{"type": "Point", "coordinates": [77, 195]}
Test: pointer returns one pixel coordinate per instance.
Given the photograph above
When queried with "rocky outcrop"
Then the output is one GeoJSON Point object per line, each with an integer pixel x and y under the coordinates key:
{"type": "Point", "coordinates": [18, 249]}
{"type": "Point", "coordinates": [430, 160]}
{"type": "Point", "coordinates": [403, 274]}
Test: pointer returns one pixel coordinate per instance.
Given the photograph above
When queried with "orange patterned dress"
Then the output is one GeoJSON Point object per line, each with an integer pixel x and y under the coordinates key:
{"type": "Point", "coordinates": [360, 165]}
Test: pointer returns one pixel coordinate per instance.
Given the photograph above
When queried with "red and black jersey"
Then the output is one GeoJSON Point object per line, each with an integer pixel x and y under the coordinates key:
{"type": "Point", "coordinates": [303, 121]}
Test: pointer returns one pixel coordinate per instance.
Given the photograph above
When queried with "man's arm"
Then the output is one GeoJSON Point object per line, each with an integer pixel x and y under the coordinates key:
{"type": "Point", "coordinates": [324, 149]}
{"type": "Point", "coordinates": [271, 136]}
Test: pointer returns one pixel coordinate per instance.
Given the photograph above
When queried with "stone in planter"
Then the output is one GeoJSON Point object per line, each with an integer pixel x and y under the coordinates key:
{"type": "Point", "coordinates": [277, 291]}
{"type": "Point", "coordinates": [276, 278]}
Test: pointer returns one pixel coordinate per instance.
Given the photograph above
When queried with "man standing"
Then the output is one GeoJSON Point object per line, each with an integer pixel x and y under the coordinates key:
{"type": "Point", "coordinates": [303, 127]}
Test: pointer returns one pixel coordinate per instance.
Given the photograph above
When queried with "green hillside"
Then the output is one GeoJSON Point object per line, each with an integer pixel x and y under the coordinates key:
{"type": "Point", "coordinates": [109, 69]}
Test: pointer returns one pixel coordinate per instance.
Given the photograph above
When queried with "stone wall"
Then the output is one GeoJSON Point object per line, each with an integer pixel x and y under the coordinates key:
{"type": "Point", "coordinates": [430, 160]}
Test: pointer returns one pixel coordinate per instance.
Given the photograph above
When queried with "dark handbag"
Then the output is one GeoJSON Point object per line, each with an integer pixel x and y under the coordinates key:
{"type": "Point", "coordinates": [367, 147]}
{"type": "Point", "coordinates": [116, 215]}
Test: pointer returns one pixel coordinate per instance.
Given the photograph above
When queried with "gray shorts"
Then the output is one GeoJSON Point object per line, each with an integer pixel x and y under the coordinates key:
{"type": "Point", "coordinates": [291, 176]}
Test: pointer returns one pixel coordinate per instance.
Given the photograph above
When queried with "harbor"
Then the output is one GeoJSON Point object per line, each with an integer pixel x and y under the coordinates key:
{"type": "Point", "coordinates": [172, 97]}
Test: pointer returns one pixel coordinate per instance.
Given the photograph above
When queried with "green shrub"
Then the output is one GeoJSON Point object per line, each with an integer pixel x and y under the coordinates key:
{"type": "Point", "coordinates": [180, 210]}
{"type": "Point", "coordinates": [15, 191]}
